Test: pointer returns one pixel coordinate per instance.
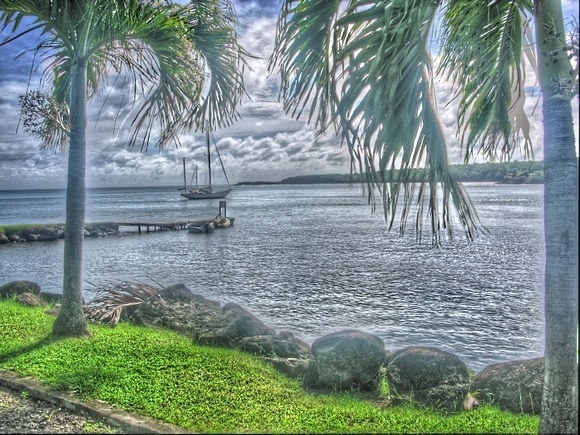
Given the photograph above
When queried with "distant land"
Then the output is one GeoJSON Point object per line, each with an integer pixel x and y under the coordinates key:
{"type": "Point", "coordinates": [505, 172]}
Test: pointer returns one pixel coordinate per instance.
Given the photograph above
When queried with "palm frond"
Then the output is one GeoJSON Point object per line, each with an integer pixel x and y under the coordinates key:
{"type": "Point", "coordinates": [213, 33]}
{"type": "Point", "coordinates": [148, 45]}
{"type": "Point", "coordinates": [45, 118]}
{"type": "Point", "coordinates": [162, 49]}
{"type": "Point", "coordinates": [303, 55]}
{"type": "Point", "coordinates": [114, 297]}
{"type": "Point", "coordinates": [482, 45]}
{"type": "Point", "coordinates": [375, 79]}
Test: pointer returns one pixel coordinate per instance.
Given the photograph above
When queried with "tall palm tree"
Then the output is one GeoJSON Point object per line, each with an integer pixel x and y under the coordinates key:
{"type": "Point", "coordinates": [168, 53]}
{"type": "Point", "coordinates": [365, 66]}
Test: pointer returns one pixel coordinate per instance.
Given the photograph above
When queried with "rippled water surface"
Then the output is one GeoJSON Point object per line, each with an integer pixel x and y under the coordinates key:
{"type": "Point", "coordinates": [314, 259]}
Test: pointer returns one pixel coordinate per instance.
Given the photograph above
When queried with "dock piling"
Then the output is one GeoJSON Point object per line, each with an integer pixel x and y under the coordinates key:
{"type": "Point", "coordinates": [222, 207]}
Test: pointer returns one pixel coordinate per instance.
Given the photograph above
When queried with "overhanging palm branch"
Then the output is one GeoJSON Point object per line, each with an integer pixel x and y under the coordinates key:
{"type": "Point", "coordinates": [373, 80]}
{"type": "Point", "coordinates": [213, 35]}
{"type": "Point", "coordinates": [115, 297]}
{"type": "Point", "coordinates": [47, 118]}
{"type": "Point", "coordinates": [482, 45]}
{"type": "Point", "coordinates": [304, 54]}
{"type": "Point", "coordinates": [163, 56]}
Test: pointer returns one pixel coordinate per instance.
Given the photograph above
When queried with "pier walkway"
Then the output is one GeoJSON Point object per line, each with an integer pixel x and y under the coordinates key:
{"type": "Point", "coordinates": [163, 226]}
{"type": "Point", "coordinates": [174, 225]}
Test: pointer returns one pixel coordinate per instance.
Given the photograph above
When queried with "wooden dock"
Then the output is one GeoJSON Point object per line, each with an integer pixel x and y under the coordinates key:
{"type": "Point", "coordinates": [164, 226]}
{"type": "Point", "coordinates": [155, 226]}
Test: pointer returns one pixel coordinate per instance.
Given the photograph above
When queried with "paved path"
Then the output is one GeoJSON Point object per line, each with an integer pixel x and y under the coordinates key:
{"type": "Point", "coordinates": [28, 407]}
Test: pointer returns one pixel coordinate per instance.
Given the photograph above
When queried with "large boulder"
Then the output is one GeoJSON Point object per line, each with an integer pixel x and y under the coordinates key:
{"type": "Point", "coordinates": [50, 233]}
{"type": "Point", "coordinates": [177, 308]}
{"type": "Point", "coordinates": [53, 298]}
{"type": "Point", "coordinates": [348, 360]}
{"type": "Point", "coordinates": [32, 237]}
{"type": "Point", "coordinates": [429, 376]}
{"type": "Point", "coordinates": [4, 239]}
{"type": "Point", "coordinates": [288, 354]}
{"type": "Point", "coordinates": [515, 386]}
{"type": "Point", "coordinates": [233, 325]}
{"type": "Point", "coordinates": [298, 368]}
{"type": "Point", "coordinates": [15, 288]}
{"type": "Point", "coordinates": [15, 238]}
{"type": "Point", "coordinates": [283, 345]}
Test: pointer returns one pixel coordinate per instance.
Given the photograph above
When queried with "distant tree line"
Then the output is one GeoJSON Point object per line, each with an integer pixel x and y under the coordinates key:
{"type": "Point", "coordinates": [506, 172]}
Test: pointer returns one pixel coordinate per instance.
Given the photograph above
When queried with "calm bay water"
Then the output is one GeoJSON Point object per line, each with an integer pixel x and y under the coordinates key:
{"type": "Point", "coordinates": [314, 259]}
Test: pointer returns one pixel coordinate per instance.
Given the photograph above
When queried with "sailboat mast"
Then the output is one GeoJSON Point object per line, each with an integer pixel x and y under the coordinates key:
{"type": "Point", "coordinates": [184, 178]}
{"type": "Point", "coordinates": [208, 157]}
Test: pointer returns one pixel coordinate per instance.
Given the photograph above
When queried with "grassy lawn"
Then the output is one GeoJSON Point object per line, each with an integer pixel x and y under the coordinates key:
{"type": "Point", "coordinates": [163, 375]}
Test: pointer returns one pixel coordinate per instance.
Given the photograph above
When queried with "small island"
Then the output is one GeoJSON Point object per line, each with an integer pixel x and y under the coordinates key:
{"type": "Point", "coordinates": [528, 172]}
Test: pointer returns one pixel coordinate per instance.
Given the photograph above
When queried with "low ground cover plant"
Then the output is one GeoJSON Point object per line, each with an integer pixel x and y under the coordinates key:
{"type": "Point", "coordinates": [164, 375]}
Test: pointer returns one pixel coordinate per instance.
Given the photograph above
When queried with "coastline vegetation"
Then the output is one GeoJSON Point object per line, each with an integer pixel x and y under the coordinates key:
{"type": "Point", "coordinates": [163, 375]}
{"type": "Point", "coordinates": [527, 172]}
{"type": "Point", "coordinates": [505, 172]}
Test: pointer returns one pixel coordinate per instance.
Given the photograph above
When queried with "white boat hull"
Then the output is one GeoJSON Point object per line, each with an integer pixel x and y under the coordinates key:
{"type": "Point", "coordinates": [206, 195]}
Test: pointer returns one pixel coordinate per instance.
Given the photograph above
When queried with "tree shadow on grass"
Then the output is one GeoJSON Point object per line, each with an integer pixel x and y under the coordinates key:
{"type": "Point", "coordinates": [49, 339]}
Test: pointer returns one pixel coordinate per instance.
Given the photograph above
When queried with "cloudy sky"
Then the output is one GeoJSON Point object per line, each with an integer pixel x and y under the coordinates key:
{"type": "Point", "coordinates": [265, 145]}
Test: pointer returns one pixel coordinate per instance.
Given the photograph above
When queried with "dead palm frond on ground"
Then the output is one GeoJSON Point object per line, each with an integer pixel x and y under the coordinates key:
{"type": "Point", "coordinates": [115, 297]}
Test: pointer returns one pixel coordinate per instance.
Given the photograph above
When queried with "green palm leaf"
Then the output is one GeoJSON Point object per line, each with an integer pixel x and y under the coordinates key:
{"type": "Point", "coordinates": [482, 46]}
{"type": "Point", "coordinates": [304, 53]}
{"type": "Point", "coordinates": [368, 70]}
{"type": "Point", "coordinates": [162, 56]}
{"type": "Point", "coordinates": [213, 35]}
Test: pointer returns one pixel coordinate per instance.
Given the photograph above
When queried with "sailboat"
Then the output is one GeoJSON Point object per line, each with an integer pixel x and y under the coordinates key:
{"type": "Point", "coordinates": [206, 192]}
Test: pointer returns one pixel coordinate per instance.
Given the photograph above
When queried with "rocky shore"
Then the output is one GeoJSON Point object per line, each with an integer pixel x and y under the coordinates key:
{"type": "Point", "coordinates": [51, 232]}
{"type": "Point", "coordinates": [346, 360]}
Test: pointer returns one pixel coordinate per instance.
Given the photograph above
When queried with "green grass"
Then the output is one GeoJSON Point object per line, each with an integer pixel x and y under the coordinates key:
{"type": "Point", "coordinates": [163, 375]}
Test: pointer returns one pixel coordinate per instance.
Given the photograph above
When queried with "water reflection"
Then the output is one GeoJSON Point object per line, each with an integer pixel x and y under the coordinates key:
{"type": "Point", "coordinates": [314, 259]}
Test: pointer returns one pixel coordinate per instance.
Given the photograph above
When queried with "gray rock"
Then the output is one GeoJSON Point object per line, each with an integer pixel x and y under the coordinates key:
{"type": "Point", "coordinates": [32, 238]}
{"type": "Point", "coordinates": [297, 368]}
{"type": "Point", "coordinates": [15, 288]}
{"type": "Point", "coordinates": [96, 233]}
{"type": "Point", "coordinates": [3, 239]}
{"type": "Point", "coordinates": [234, 324]}
{"type": "Point", "coordinates": [50, 234]}
{"type": "Point", "coordinates": [50, 297]}
{"type": "Point", "coordinates": [515, 386]}
{"type": "Point", "coordinates": [177, 308]}
{"type": "Point", "coordinates": [275, 345]}
{"type": "Point", "coordinates": [107, 227]}
{"type": "Point", "coordinates": [348, 359]}
{"type": "Point", "coordinates": [428, 376]}
{"type": "Point", "coordinates": [180, 293]}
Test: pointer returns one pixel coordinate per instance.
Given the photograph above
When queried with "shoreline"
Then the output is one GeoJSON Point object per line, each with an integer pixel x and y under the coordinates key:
{"type": "Point", "coordinates": [30, 233]}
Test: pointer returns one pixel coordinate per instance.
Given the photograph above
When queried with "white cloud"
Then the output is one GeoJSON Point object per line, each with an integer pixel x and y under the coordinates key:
{"type": "Point", "coordinates": [265, 144]}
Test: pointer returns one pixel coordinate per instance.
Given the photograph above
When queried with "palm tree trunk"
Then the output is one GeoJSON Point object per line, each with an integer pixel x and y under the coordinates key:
{"type": "Point", "coordinates": [560, 395]}
{"type": "Point", "coordinates": [71, 320]}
